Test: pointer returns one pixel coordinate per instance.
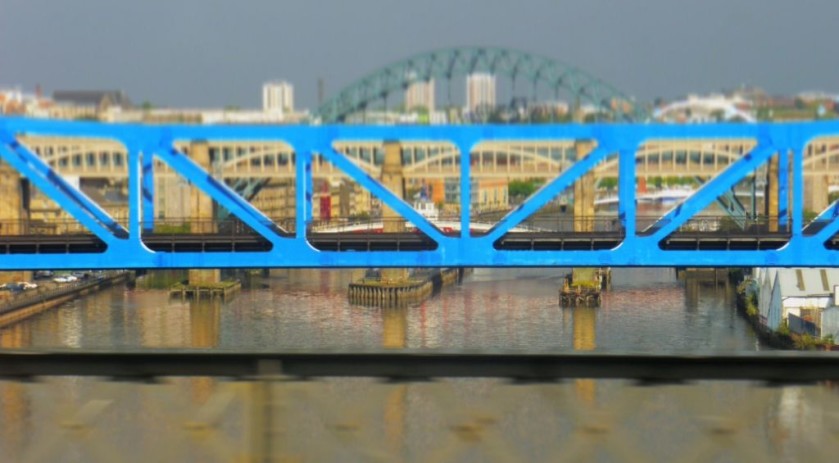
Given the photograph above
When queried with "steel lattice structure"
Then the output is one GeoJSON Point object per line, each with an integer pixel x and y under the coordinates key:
{"type": "Point", "coordinates": [125, 247]}
{"type": "Point", "coordinates": [581, 86]}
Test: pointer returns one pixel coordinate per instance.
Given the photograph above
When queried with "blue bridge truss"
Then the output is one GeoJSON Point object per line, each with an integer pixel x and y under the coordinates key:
{"type": "Point", "coordinates": [123, 247]}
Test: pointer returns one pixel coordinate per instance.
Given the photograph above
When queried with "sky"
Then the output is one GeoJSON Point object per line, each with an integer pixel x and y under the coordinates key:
{"type": "Point", "coordinates": [211, 53]}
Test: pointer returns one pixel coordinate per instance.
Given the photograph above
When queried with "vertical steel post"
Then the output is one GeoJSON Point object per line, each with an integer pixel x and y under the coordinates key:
{"type": "Point", "coordinates": [797, 191]}
{"type": "Point", "coordinates": [135, 213]}
{"type": "Point", "coordinates": [147, 185]}
{"type": "Point", "coordinates": [783, 188]}
{"type": "Point", "coordinates": [465, 187]}
{"type": "Point", "coordinates": [303, 192]}
{"type": "Point", "coordinates": [626, 190]}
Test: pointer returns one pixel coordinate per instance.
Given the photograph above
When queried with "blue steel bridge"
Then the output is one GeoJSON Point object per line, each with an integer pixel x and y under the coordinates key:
{"type": "Point", "coordinates": [783, 153]}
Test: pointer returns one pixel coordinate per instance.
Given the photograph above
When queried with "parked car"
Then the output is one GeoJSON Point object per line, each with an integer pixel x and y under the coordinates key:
{"type": "Point", "coordinates": [11, 287]}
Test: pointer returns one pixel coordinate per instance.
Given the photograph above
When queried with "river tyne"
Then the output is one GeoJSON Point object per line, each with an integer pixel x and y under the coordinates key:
{"type": "Point", "coordinates": [646, 311]}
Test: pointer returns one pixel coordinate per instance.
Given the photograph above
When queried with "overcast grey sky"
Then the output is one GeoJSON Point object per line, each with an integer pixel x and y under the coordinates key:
{"type": "Point", "coordinates": [204, 53]}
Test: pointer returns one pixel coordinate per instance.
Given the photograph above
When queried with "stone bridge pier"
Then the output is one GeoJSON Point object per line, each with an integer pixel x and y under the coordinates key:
{"type": "Point", "coordinates": [392, 222]}
{"type": "Point", "coordinates": [14, 214]}
{"type": "Point", "coordinates": [584, 192]}
{"type": "Point", "coordinates": [201, 213]}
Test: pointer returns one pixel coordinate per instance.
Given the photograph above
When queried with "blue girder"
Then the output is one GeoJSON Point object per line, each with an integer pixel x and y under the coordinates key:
{"type": "Point", "coordinates": [125, 248]}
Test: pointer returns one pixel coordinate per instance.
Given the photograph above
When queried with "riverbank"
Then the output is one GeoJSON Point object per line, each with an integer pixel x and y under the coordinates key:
{"type": "Point", "coordinates": [34, 302]}
{"type": "Point", "coordinates": [747, 307]}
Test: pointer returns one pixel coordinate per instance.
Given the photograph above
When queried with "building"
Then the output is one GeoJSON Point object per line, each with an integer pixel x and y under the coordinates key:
{"type": "Point", "coordinates": [420, 95]}
{"type": "Point", "coordinates": [277, 200]}
{"type": "Point", "coordinates": [88, 104]}
{"type": "Point", "coordinates": [487, 195]}
{"type": "Point", "coordinates": [807, 299]}
{"type": "Point", "coordinates": [704, 109]}
{"type": "Point", "coordinates": [480, 91]}
{"type": "Point", "coordinates": [278, 97]}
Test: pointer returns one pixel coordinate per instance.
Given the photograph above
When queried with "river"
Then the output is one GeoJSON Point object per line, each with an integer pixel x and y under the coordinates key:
{"type": "Point", "coordinates": [647, 310]}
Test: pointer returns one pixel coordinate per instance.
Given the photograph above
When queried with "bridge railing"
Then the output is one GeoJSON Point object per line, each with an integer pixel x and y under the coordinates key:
{"type": "Point", "coordinates": [217, 406]}
{"type": "Point", "coordinates": [723, 226]}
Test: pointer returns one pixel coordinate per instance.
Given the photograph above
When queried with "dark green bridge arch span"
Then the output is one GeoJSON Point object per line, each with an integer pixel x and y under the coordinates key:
{"type": "Point", "coordinates": [562, 78]}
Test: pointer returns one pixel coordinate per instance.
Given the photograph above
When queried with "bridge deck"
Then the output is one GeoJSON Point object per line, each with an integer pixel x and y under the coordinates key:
{"type": "Point", "coordinates": [343, 242]}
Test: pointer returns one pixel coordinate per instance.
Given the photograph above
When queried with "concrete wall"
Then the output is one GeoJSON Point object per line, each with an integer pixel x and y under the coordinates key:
{"type": "Point", "coordinates": [830, 323]}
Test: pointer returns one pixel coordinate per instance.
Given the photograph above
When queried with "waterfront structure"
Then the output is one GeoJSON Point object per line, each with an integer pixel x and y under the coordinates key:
{"type": "Point", "coordinates": [339, 200]}
{"type": "Point", "coordinates": [480, 91]}
{"type": "Point", "coordinates": [420, 95]}
{"type": "Point", "coordinates": [88, 104]}
{"type": "Point", "coordinates": [278, 97]}
{"type": "Point", "coordinates": [711, 108]}
{"type": "Point", "coordinates": [806, 299]}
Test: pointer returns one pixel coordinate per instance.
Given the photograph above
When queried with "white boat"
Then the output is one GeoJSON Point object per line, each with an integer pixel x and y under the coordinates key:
{"type": "Point", "coordinates": [427, 209]}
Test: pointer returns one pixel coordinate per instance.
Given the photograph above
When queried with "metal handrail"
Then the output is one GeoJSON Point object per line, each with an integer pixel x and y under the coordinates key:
{"type": "Point", "coordinates": [716, 225]}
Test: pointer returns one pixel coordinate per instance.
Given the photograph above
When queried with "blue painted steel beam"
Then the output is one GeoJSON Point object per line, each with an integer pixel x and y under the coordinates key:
{"type": "Point", "coordinates": [797, 211]}
{"type": "Point", "coordinates": [221, 193]}
{"type": "Point", "coordinates": [830, 213]}
{"type": "Point", "coordinates": [732, 206]}
{"type": "Point", "coordinates": [708, 193]}
{"type": "Point", "coordinates": [135, 213]}
{"type": "Point", "coordinates": [375, 187]}
{"type": "Point", "coordinates": [802, 250]}
{"type": "Point", "coordinates": [304, 194]}
{"type": "Point", "coordinates": [147, 186]}
{"type": "Point", "coordinates": [783, 187]}
{"type": "Point", "coordinates": [547, 192]}
{"type": "Point", "coordinates": [247, 188]}
{"type": "Point", "coordinates": [626, 192]}
{"type": "Point", "coordinates": [76, 203]}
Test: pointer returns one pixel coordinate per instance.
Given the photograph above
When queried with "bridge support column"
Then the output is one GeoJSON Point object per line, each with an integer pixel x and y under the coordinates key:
{"type": "Point", "coordinates": [816, 193]}
{"type": "Point", "coordinates": [201, 205]}
{"type": "Point", "coordinates": [204, 277]}
{"type": "Point", "coordinates": [771, 200]}
{"type": "Point", "coordinates": [201, 213]}
{"type": "Point", "coordinates": [584, 192]}
{"type": "Point", "coordinates": [14, 214]}
{"type": "Point", "coordinates": [393, 179]}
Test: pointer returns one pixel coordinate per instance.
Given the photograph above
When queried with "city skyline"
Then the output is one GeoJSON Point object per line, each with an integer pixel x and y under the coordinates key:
{"type": "Point", "coordinates": [646, 52]}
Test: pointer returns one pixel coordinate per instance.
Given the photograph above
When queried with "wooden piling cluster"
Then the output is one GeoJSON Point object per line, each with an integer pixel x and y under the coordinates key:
{"type": "Point", "coordinates": [373, 292]}
{"type": "Point", "coordinates": [223, 290]}
{"type": "Point", "coordinates": [584, 287]}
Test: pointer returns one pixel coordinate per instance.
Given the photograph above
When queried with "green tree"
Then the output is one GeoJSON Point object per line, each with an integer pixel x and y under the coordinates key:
{"type": "Point", "coordinates": [609, 183]}
{"type": "Point", "coordinates": [523, 188]}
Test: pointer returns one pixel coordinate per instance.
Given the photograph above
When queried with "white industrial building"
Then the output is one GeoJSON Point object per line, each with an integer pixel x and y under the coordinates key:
{"type": "Point", "coordinates": [795, 294]}
{"type": "Point", "coordinates": [278, 97]}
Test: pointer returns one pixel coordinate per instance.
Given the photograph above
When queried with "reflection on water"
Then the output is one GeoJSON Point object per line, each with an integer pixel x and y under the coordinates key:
{"type": "Point", "coordinates": [205, 322]}
{"type": "Point", "coordinates": [585, 338]}
{"type": "Point", "coordinates": [647, 310]}
{"type": "Point", "coordinates": [394, 327]}
{"type": "Point", "coordinates": [15, 404]}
